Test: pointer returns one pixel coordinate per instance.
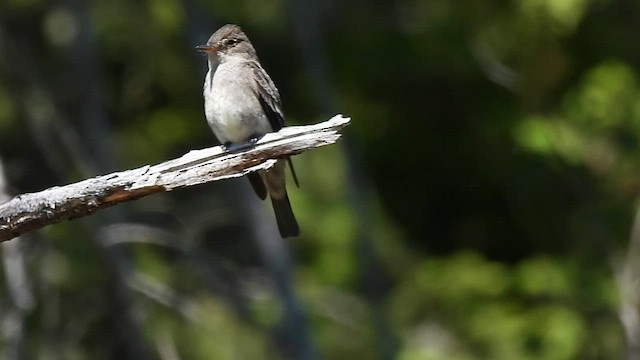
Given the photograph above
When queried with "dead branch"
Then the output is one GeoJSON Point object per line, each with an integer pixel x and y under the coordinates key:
{"type": "Point", "coordinates": [28, 212]}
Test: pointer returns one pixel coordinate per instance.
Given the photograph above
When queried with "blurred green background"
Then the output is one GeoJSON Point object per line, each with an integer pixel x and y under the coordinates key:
{"type": "Point", "coordinates": [482, 204]}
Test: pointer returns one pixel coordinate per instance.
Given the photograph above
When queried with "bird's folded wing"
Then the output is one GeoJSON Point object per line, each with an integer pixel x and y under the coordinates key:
{"type": "Point", "coordinates": [268, 96]}
{"type": "Point", "coordinates": [269, 99]}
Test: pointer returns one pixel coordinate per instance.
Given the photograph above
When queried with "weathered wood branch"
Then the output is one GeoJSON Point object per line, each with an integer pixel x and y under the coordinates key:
{"type": "Point", "coordinates": [33, 211]}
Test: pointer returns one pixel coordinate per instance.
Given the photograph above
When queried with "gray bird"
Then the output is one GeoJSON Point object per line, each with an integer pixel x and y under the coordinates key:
{"type": "Point", "coordinates": [242, 104]}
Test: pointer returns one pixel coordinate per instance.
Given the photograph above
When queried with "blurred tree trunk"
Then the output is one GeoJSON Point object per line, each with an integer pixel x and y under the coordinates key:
{"type": "Point", "coordinates": [309, 19]}
{"type": "Point", "coordinates": [627, 273]}
{"type": "Point", "coordinates": [19, 289]}
{"type": "Point", "coordinates": [96, 134]}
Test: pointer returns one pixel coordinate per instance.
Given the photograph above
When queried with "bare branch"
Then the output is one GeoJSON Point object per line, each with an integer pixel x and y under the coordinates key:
{"type": "Point", "coordinates": [33, 211]}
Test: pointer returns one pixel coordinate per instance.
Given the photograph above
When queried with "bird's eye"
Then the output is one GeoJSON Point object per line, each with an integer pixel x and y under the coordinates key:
{"type": "Point", "coordinates": [231, 42]}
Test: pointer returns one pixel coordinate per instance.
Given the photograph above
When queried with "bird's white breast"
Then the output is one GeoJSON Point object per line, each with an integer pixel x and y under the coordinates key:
{"type": "Point", "coordinates": [232, 108]}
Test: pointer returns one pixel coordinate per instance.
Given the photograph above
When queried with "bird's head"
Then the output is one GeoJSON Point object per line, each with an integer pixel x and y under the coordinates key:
{"type": "Point", "coordinates": [226, 42]}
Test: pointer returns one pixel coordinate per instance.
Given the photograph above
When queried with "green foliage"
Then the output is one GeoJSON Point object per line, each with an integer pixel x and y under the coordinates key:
{"type": "Point", "coordinates": [167, 15]}
{"type": "Point", "coordinates": [465, 307]}
{"type": "Point", "coordinates": [562, 16]}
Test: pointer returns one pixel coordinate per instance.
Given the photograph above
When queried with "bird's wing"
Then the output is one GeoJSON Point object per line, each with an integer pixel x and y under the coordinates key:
{"type": "Point", "coordinates": [270, 101]}
{"type": "Point", "coordinates": [268, 96]}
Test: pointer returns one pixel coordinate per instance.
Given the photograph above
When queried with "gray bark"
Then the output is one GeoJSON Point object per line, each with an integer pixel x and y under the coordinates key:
{"type": "Point", "coordinates": [32, 211]}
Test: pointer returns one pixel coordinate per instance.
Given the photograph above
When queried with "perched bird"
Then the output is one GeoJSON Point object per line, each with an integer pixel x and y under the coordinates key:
{"type": "Point", "coordinates": [242, 104]}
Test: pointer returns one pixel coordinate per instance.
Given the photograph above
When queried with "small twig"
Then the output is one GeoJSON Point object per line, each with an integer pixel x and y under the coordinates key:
{"type": "Point", "coordinates": [33, 211]}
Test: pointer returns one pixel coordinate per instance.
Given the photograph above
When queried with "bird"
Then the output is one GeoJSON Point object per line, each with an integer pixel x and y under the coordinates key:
{"type": "Point", "coordinates": [241, 104]}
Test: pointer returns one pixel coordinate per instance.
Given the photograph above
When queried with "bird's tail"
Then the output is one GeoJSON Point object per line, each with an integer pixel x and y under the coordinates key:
{"type": "Point", "coordinates": [287, 223]}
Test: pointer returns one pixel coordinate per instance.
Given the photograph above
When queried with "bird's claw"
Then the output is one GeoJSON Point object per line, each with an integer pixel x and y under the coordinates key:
{"type": "Point", "coordinates": [235, 147]}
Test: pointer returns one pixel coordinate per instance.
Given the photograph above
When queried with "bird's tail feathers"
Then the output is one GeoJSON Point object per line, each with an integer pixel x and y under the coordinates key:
{"type": "Point", "coordinates": [287, 223]}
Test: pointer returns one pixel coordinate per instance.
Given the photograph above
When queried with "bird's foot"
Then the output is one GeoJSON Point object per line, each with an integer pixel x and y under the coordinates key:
{"type": "Point", "coordinates": [227, 145]}
{"type": "Point", "coordinates": [235, 147]}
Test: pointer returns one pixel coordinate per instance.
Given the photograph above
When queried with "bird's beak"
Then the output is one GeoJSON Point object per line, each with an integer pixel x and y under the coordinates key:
{"type": "Point", "coordinates": [207, 49]}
